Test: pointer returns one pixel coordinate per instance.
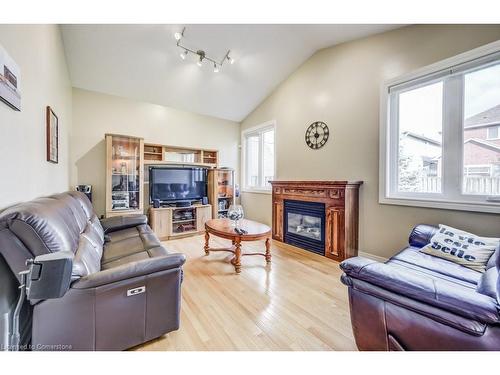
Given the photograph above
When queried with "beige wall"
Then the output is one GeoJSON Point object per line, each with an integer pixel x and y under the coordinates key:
{"type": "Point", "coordinates": [38, 50]}
{"type": "Point", "coordinates": [95, 114]}
{"type": "Point", "coordinates": [340, 85]}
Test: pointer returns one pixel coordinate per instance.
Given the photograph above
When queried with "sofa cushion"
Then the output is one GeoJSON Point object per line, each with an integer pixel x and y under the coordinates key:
{"type": "Point", "coordinates": [87, 258]}
{"type": "Point", "coordinates": [488, 284]}
{"type": "Point", "coordinates": [151, 253]}
{"type": "Point", "coordinates": [412, 258]}
{"type": "Point", "coordinates": [127, 243]}
{"type": "Point", "coordinates": [45, 225]}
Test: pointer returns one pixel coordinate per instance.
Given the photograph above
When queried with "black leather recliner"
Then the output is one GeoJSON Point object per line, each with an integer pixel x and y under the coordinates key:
{"type": "Point", "coordinates": [415, 301]}
{"type": "Point", "coordinates": [126, 287]}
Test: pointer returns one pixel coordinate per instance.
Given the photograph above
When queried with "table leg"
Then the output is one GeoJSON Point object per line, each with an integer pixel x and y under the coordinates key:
{"type": "Point", "coordinates": [268, 250]}
{"type": "Point", "coordinates": [237, 256]}
{"type": "Point", "coordinates": [207, 238]}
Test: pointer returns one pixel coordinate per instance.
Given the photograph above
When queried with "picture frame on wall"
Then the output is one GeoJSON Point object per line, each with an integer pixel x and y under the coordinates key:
{"type": "Point", "coordinates": [10, 81]}
{"type": "Point", "coordinates": [52, 136]}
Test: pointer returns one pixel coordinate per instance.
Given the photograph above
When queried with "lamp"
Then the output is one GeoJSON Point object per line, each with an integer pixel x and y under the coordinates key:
{"type": "Point", "coordinates": [201, 53]}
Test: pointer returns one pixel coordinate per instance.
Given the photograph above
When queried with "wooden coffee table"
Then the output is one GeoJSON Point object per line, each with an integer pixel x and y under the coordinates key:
{"type": "Point", "coordinates": [224, 228]}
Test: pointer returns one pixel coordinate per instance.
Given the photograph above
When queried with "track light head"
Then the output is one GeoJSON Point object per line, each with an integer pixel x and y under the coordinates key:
{"type": "Point", "coordinates": [230, 59]}
{"type": "Point", "coordinates": [216, 68]}
{"type": "Point", "coordinates": [177, 36]}
{"type": "Point", "coordinates": [184, 54]}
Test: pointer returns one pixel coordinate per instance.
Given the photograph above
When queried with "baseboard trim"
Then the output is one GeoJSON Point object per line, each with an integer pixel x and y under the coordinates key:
{"type": "Point", "coordinates": [371, 256]}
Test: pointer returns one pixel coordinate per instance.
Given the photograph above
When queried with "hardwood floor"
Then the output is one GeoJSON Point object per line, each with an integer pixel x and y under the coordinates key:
{"type": "Point", "coordinates": [295, 303]}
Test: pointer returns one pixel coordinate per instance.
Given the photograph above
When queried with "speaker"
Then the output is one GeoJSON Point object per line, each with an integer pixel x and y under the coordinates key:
{"type": "Point", "coordinates": [204, 200]}
{"type": "Point", "coordinates": [85, 189]}
{"type": "Point", "coordinates": [156, 203]}
{"type": "Point", "coordinates": [182, 204]}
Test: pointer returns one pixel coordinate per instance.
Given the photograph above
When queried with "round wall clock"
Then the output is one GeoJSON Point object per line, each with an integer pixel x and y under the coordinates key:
{"type": "Point", "coordinates": [317, 135]}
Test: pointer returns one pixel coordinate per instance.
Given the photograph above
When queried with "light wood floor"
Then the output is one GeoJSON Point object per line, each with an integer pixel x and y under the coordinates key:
{"type": "Point", "coordinates": [295, 303]}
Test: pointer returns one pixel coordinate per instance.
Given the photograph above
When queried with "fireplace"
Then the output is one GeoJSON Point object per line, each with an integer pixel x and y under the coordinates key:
{"type": "Point", "coordinates": [318, 216]}
{"type": "Point", "coordinates": [304, 225]}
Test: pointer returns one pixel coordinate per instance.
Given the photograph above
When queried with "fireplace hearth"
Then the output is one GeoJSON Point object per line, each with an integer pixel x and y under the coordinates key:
{"type": "Point", "coordinates": [304, 225]}
{"type": "Point", "coordinates": [318, 216]}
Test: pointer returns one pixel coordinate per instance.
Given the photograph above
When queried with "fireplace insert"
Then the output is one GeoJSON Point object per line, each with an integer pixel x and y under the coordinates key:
{"type": "Point", "coordinates": [304, 225]}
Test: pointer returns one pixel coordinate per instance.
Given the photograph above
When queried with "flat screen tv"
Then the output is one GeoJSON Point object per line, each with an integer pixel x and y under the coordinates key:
{"type": "Point", "coordinates": [177, 184]}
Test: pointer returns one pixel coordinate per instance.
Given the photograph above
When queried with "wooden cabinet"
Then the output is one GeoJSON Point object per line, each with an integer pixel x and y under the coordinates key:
{"type": "Point", "coordinates": [221, 190]}
{"type": "Point", "coordinates": [341, 202]}
{"type": "Point", "coordinates": [203, 214]}
{"type": "Point", "coordinates": [173, 222]}
{"type": "Point", "coordinates": [124, 175]}
{"type": "Point", "coordinates": [160, 221]}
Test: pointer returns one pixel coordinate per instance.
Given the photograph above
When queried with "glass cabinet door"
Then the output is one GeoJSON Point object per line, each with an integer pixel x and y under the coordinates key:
{"type": "Point", "coordinates": [125, 173]}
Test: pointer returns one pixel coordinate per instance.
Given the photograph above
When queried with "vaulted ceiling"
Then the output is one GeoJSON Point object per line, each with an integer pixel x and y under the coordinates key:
{"type": "Point", "coordinates": [142, 61]}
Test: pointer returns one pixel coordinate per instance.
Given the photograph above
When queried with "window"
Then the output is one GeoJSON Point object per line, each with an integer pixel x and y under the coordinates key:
{"type": "Point", "coordinates": [492, 132]}
{"type": "Point", "coordinates": [440, 143]}
{"type": "Point", "coordinates": [258, 157]}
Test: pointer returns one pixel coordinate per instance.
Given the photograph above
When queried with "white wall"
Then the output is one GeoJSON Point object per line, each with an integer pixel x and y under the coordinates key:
{"type": "Point", "coordinates": [340, 85]}
{"type": "Point", "coordinates": [95, 114]}
{"type": "Point", "coordinates": [24, 171]}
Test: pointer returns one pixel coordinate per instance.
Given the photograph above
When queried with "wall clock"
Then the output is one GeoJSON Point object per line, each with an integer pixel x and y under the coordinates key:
{"type": "Point", "coordinates": [317, 135]}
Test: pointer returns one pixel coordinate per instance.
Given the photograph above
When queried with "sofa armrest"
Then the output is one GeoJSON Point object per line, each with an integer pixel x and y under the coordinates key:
{"type": "Point", "coordinates": [112, 224]}
{"type": "Point", "coordinates": [439, 293]}
{"type": "Point", "coordinates": [130, 270]}
{"type": "Point", "coordinates": [421, 235]}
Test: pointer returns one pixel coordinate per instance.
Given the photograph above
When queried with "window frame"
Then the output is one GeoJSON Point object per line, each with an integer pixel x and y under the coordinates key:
{"type": "Point", "coordinates": [257, 130]}
{"type": "Point", "coordinates": [451, 196]}
{"type": "Point", "coordinates": [497, 127]}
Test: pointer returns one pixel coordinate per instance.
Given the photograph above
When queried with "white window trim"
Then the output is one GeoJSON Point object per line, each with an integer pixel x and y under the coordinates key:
{"type": "Point", "coordinates": [264, 126]}
{"type": "Point", "coordinates": [427, 199]}
{"type": "Point", "coordinates": [488, 133]}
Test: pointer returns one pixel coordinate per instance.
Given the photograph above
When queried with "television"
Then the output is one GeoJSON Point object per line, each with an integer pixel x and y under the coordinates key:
{"type": "Point", "coordinates": [177, 184]}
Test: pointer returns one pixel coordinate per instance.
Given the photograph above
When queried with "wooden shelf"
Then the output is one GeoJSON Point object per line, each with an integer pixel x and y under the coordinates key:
{"type": "Point", "coordinates": [164, 225]}
{"type": "Point", "coordinates": [173, 155]}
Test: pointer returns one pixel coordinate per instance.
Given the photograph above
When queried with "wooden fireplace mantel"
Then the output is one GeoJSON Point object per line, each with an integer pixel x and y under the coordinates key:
{"type": "Point", "coordinates": [341, 199]}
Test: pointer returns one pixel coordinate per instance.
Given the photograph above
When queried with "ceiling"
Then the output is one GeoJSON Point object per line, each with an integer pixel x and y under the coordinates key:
{"type": "Point", "coordinates": [142, 61]}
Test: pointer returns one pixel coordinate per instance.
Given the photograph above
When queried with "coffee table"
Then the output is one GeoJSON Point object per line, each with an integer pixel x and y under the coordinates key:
{"type": "Point", "coordinates": [224, 228]}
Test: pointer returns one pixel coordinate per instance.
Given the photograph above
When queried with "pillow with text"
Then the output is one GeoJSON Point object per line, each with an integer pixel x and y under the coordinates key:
{"type": "Point", "coordinates": [461, 247]}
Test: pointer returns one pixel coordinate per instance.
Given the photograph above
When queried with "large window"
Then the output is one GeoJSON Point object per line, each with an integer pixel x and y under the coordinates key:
{"type": "Point", "coordinates": [440, 144]}
{"type": "Point", "coordinates": [258, 157]}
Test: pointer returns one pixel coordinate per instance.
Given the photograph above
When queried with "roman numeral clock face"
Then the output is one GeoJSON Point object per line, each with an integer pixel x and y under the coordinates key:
{"type": "Point", "coordinates": [317, 135]}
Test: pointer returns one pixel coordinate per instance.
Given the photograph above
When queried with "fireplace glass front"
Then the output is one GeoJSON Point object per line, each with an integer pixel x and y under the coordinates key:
{"type": "Point", "coordinates": [304, 225]}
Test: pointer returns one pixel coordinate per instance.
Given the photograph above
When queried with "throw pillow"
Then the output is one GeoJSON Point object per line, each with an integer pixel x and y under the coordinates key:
{"type": "Point", "coordinates": [461, 247]}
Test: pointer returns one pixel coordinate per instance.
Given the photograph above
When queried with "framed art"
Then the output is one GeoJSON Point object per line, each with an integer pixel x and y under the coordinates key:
{"type": "Point", "coordinates": [52, 136]}
{"type": "Point", "coordinates": [10, 81]}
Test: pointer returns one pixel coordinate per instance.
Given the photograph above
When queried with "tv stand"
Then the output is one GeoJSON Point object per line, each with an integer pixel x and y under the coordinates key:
{"type": "Point", "coordinates": [176, 222]}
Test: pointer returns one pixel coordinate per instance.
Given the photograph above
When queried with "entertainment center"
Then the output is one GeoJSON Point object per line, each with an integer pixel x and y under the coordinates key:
{"type": "Point", "coordinates": [182, 186]}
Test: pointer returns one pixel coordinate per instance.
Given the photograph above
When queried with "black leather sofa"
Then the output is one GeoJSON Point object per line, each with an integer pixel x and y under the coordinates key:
{"type": "Point", "coordinates": [126, 287]}
{"type": "Point", "coordinates": [415, 301]}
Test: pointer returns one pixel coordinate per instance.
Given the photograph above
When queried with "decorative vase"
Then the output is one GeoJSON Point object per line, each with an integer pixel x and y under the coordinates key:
{"type": "Point", "coordinates": [235, 214]}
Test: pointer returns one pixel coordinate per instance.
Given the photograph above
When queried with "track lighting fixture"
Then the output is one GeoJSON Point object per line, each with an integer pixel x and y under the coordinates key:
{"type": "Point", "coordinates": [201, 54]}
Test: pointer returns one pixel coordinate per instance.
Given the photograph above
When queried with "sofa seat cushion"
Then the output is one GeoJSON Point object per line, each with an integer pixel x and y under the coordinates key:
{"type": "Point", "coordinates": [151, 253]}
{"type": "Point", "coordinates": [435, 267]}
{"type": "Point", "coordinates": [129, 245]}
